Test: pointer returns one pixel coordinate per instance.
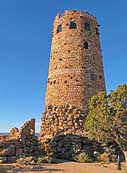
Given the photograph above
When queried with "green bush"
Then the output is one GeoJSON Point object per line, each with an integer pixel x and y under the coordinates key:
{"type": "Point", "coordinates": [82, 158]}
{"type": "Point", "coordinates": [45, 159]}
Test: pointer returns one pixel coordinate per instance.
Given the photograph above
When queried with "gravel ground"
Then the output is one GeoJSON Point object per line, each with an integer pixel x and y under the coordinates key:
{"type": "Point", "coordinates": [66, 167]}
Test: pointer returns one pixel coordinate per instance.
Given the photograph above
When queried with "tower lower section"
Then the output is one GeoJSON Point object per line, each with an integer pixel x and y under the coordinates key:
{"type": "Point", "coordinates": [62, 120]}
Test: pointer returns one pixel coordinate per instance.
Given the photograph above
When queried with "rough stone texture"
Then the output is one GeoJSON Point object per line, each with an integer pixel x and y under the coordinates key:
{"type": "Point", "coordinates": [14, 133]}
{"type": "Point", "coordinates": [20, 143]}
{"type": "Point", "coordinates": [68, 146]}
{"type": "Point", "coordinates": [28, 129]}
{"type": "Point", "coordinates": [71, 64]}
{"type": "Point", "coordinates": [63, 120]}
{"type": "Point", "coordinates": [75, 73]}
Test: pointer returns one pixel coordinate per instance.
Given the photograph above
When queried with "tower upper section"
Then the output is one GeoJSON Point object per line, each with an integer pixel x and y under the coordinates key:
{"type": "Point", "coordinates": [76, 68]}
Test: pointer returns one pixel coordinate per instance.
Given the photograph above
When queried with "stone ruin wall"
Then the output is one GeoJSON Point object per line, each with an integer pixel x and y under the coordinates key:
{"type": "Point", "coordinates": [20, 143]}
{"type": "Point", "coordinates": [28, 129]}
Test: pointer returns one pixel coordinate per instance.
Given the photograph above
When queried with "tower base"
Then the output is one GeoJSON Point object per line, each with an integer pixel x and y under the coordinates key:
{"type": "Point", "coordinates": [62, 120]}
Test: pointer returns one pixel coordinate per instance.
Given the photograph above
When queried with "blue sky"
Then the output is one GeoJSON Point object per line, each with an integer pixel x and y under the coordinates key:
{"type": "Point", "coordinates": [25, 40]}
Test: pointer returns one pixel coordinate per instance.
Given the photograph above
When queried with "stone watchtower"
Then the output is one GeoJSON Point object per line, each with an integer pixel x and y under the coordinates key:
{"type": "Point", "coordinates": [75, 73]}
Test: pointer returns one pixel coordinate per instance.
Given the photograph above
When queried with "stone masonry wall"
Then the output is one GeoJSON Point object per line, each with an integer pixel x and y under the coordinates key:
{"type": "Point", "coordinates": [62, 120]}
{"type": "Point", "coordinates": [20, 143]}
{"type": "Point", "coordinates": [28, 129]}
{"type": "Point", "coordinates": [75, 73]}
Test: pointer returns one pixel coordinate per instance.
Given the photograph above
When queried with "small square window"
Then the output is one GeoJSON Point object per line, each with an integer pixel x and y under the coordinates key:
{"type": "Point", "coordinates": [72, 25]}
{"type": "Point", "coordinates": [87, 27]}
{"type": "Point", "coordinates": [59, 28]}
{"type": "Point", "coordinates": [86, 46]}
{"type": "Point", "coordinates": [91, 76]}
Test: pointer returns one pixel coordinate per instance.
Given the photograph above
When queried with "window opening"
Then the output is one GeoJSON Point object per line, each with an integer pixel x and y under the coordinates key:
{"type": "Point", "coordinates": [86, 46]}
{"type": "Point", "coordinates": [59, 28]}
{"type": "Point", "coordinates": [87, 27]}
{"type": "Point", "coordinates": [72, 25]}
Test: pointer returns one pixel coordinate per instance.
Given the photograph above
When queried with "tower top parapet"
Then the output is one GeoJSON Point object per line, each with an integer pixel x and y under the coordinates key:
{"type": "Point", "coordinates": [82, 13]}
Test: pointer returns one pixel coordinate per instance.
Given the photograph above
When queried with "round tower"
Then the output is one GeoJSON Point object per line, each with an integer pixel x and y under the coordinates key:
{"type": "Point", "coordinates": [76, 67]}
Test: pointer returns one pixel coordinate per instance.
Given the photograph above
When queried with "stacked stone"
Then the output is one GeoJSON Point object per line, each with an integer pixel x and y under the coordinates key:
{"type": "Point", "coordinates": [63, 120]}
{"type": "Point", "coordinates": [14, 133]}
{"type": "Point", "coordinates": [28, 129]}
{"type": "Point", "coordinates": [22, 143]}
{"type": "Point", "coordinates": [68, 146]}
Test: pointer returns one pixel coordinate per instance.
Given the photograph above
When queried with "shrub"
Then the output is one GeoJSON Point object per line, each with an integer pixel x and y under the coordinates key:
{"type": "Point", "coordinates": [45, 159]}
{"type": "Point", "coordinates": [104, 157]}
{"type": "Point", "coordinates": [41, 159]}
{"type": "Point", "coordinates": [82, 158]}
{"type": "Point", "coordinates": [26, 161]}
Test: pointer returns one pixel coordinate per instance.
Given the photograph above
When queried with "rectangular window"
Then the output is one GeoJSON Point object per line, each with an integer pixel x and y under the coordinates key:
{"type": "Point", "coordinates": [72, 25]}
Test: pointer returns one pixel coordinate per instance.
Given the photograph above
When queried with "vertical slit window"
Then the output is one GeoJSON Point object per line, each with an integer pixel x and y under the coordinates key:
{"type": "Point", "coordinates": [59, 28]}
{"type": "Point", "coordinates": [86, 45]}
{"type": "Point", "coordinates": [87, 27]}
{"type": "Point", "coordinates": [97, 31]}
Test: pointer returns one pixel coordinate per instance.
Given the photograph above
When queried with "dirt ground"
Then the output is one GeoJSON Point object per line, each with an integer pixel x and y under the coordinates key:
{"type": "Point", "coordinates": [72, 167]}
{"type": "Point", "coordinates": [66, 167]}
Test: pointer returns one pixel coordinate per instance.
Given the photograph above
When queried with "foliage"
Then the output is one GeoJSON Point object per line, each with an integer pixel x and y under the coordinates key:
{"type": "Point", "coordinates": [26, 161]}
{"type": "Point", "coordinates": [107, 118]}
{"type": "Point", "coordinates": [82, 158]}
{"type": "Point", "coordinates": [42, 159]}
{"type": "Point", "coordinates": [45, 159]}
{"type": "Point", "coordinates": [97, 122]}
{"type": "Point", "coordinates": [47, 148]}
{"type": "Point", "coordinates": [104, 157]}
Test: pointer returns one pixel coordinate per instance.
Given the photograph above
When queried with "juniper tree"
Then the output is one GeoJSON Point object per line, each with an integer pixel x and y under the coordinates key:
{"type": "Point", "coordinates": [107, 118]}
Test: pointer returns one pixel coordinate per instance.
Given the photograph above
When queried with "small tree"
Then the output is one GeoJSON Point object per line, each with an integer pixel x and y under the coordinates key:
{"type": "Point", "coordinates": [107, 118]}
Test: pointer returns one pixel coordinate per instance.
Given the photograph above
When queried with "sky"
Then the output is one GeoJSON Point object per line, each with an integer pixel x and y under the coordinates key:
{"type": "Point", "coordinates": [25, 41]}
